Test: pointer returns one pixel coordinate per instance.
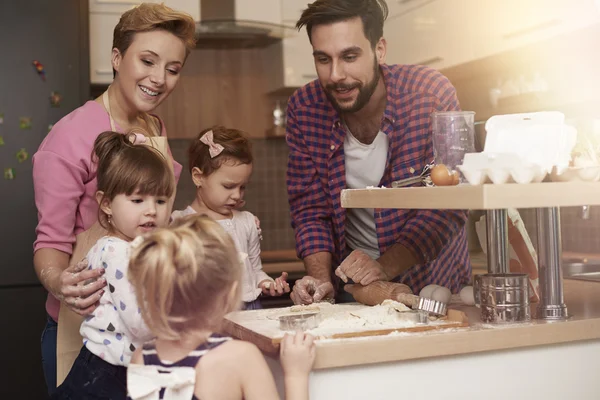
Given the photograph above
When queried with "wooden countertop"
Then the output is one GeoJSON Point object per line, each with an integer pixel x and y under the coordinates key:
{"type": "Point", "coordinates": [583, 303]}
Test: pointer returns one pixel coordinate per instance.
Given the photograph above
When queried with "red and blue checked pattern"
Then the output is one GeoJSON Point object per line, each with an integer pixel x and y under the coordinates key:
{"type": "Point", "coordinates": [316, 177]}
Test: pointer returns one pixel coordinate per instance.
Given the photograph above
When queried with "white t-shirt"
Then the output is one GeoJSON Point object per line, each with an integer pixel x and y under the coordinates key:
{"type": "Point", "coordinates": [242, 229]}
{"type": "Point", "coordinates": [116, 328]}
{"type": "Point", "coordinates": [365, 165]}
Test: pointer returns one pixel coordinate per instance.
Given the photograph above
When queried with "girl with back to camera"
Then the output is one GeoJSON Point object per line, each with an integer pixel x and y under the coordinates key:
{"type": "Point", "coordinates": [187, 278]}
{"type": "Point", "coordinates": [135, 184]}
{"type": "Point", "coordinates": [220, 161]}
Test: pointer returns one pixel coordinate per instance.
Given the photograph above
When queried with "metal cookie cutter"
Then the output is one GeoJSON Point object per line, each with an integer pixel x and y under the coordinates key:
{"type": "Point", "coordinates": [434, 307]}
{"type": "Point", "coordinates": [299, 321]}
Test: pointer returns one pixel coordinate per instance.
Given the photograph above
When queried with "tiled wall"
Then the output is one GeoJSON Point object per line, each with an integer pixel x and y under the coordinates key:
{"type": "Point", "coordinates": [266, 195]}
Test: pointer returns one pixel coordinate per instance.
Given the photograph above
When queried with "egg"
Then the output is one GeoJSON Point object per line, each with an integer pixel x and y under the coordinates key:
{"type": "Point", "coordinates": [467, 295]}
{"type": "Point", "coordinates": [442, 176]}
{"type": "Point", "coordinates": [427, 291]}
{"type": "Point", "coordinates": [442, 294]}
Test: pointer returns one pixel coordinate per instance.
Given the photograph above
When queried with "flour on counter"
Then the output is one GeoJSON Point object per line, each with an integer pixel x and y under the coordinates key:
{"type": "Point", "coordinates": [388, 315]}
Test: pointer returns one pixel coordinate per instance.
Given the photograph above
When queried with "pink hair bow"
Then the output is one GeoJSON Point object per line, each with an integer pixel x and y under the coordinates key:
{"type": "Point", "coordinates": [139, 138]}
{"type": "Point", "coordinates": [214, 149]}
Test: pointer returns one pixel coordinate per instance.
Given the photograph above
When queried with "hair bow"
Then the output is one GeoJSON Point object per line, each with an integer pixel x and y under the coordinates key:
{"type": "Point", "coordinates": [214, 149]}
{"type": "Point", "coordinates": [138, 138]}
{"type": "Point", "coordinates": [145, 382]}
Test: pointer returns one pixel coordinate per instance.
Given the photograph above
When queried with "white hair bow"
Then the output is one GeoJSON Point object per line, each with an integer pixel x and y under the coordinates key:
{"type": "Point", "coordinates": [214, 149]}
{"type": "Point", "coordinates": [144, 382]}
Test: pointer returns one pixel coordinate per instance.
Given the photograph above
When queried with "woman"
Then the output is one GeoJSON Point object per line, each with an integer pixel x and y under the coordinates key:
{"type": "Point", "coordinates": [150, 46]}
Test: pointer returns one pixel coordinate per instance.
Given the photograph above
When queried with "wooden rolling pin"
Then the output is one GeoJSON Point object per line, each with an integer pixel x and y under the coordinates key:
{"type": "Point", "coordinates": [376, 292]}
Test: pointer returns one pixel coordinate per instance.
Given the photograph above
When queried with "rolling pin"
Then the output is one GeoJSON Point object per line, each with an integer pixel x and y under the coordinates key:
{"type": "Point", "coordinates": [376, 292]}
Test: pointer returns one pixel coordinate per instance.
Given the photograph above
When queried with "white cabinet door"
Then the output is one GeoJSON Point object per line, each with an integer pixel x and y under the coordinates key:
{"type": "Point", "coordinates": [298, 62]}
{"type": "Point", "coordinates": [113, 6]}
{"type": "Point", "coordinates": [291, 10]}
{"type": "Point", "coordinates": [397, 8]}
{"type": "Point", "coordinates": [505, 25]}
{"type": "Point", "coordinates": [435, 34]}
{"type": "Point", "coordinates": [101, 37]}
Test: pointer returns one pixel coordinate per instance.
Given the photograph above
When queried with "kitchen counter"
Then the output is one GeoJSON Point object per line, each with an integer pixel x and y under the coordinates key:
{"type": "Point", "coordinates": [528, 360]}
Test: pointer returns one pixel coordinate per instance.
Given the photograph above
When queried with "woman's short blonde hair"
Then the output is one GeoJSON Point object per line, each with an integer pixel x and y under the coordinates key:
{"type": "Point", "coordinates": [183, 277]}
{"type": "Point", "coordinates": [149, 17]}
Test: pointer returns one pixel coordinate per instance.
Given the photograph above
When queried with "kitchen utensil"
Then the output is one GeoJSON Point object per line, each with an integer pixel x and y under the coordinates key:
{"type": "Point", "coordinates": [453, 137]}
{"type": "Point", "coordinates": [504, 298]}
{"type": "Point", "coordinates": [423, 178]}
{"type": "Point", "coordinates": [431, 306]}
{"type": "Point", "coordinates": [299, 321]}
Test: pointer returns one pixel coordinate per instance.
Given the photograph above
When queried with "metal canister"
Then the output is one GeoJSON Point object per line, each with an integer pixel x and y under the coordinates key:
{"type": "Point", "coordinates": [504, 298]}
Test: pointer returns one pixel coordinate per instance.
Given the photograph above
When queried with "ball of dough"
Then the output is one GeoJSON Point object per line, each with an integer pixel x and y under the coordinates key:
{"type": "Point", "coordinates": [467, 296]}
{"type": "Point", "coordinates": [428, 290]}
{"type": "Point", "coordinates": [442, 294]}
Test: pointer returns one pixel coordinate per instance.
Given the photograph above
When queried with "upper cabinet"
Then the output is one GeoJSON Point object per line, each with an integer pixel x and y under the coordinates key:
{"type": "Point", "coordinates": [434, 34]}
{"type": "Point", "coordinates": [258, 10]}
{"type": "Point", "coordinates": [104, 16]}
{"type": "Point", "coordinates": [445, 33]}
{"type": "Point", "coordinates": [510, 24]}
{"type": "Point", "coordinates": [298, 64]}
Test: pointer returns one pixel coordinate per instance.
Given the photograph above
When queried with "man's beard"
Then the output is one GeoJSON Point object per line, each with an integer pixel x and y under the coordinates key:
{"type": "Point", "coordinates": [364, 92]}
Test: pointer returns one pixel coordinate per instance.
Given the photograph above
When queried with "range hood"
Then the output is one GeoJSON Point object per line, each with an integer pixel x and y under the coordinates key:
{"type": "Point", "coordinates": [220, 27]}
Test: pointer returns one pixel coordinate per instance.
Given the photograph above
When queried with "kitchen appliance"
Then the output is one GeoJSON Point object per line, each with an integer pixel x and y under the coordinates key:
{"type": "Point", "coordinates": [220, 27]}
{"type": "Point", "coordinates": [45, 75]}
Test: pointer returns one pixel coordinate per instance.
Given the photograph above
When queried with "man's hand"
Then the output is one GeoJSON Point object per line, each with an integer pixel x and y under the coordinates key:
{"type": "Point", "coordinates": [361, 268]}
{"type": "Point", "coordinates": [310, 290]}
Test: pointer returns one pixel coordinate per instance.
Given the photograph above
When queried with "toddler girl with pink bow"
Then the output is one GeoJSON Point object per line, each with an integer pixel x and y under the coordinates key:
{"type": "Point", "coordinates": [220, 161]}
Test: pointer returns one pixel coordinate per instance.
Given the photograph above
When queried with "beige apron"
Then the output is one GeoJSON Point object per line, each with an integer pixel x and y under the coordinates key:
{"type": "Point", "coordinates": [69, 341]}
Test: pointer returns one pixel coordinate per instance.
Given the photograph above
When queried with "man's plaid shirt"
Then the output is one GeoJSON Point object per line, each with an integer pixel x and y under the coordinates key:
{"type": "Point", "coordinates": [316, 176]}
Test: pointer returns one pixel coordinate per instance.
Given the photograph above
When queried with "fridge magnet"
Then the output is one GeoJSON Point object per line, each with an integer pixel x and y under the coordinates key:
{"type": "Point", "coordinates": [25, 123]}
{"type": "Point", "coordinates": [1, 118]}
{"type": "Point", "coordinates": [9, 173]}
{"type": "Point", "coordinates": [50, 126]}
{"type": "Point", "coordinates": [1, 141]}
{"type": "Point", "coordinates": [55, 99]}
{"type": "Point", "coordinates": [40, 69]}
{"type": "Point", "coordinates": [22, 155]}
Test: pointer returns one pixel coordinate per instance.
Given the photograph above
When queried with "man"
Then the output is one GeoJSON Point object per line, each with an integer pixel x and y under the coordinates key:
{"type": "Point", "coordinates": [364, 123]}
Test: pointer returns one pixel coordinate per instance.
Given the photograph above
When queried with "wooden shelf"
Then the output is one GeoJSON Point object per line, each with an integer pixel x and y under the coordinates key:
{"type": "Point", "coordinates": [482, 197]}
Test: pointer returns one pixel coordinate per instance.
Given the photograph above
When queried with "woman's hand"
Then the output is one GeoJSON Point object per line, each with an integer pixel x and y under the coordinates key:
{"type": "Point", "coordinates": [81, 288]}
{"type": "Point", "coordinates": [275, 288]}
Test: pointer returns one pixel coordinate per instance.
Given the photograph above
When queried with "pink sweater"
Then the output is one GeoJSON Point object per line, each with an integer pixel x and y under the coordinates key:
{"type": "Point", "coordinates": [64, 181]}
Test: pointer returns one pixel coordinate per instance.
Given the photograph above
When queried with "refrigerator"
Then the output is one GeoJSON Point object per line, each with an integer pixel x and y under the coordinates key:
{"type": "Point", "coordinates": [44, 75]}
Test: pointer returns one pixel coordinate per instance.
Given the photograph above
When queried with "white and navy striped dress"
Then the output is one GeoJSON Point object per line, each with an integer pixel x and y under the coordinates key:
{"type": "Point", "coordinates": [190, 361]}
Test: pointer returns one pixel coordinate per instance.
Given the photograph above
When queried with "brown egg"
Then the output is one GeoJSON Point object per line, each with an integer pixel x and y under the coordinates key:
{"type": "Point", "coordinates": [455, 178]}
{"type": "Point", "coordinates": [441, 176]}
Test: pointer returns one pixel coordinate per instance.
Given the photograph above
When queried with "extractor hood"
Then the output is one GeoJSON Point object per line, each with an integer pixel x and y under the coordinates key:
{"type": "Point", "coordinates": [220, 27]}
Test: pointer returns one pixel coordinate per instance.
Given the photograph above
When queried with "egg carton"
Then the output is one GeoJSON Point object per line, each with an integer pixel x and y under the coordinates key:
{"type": "Point", "coordinates": [480, 168]}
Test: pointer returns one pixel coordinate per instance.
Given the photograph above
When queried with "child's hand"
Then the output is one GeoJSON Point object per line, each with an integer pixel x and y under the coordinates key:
{"type": "Point", "coordinates": [297, 354]}
{"type": "Point", "coordinates": [275, 288]}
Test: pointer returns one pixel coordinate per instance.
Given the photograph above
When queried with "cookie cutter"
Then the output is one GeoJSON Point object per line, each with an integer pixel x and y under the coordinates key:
{"type": "Point", "coordinates": [299, 321]}
{"type": "Point", "coordinates": [431, 306]}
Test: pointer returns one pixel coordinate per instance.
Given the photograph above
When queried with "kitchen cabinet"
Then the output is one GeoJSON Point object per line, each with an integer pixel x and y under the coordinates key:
{"type": "Point", "coordinates": [104, 16]}
{"type": "Point", "coordinates": [505, 25]}
{"type": "Point", "coordinates": [298, 62]}
{"type": "Point", "coordinates": [397, 8]}
{"type": "Point", "coordinates": [434, 34]}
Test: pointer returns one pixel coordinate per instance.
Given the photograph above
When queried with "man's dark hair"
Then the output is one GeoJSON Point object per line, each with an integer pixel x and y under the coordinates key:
{"type": "Point", "coordinates": [324, 12]}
